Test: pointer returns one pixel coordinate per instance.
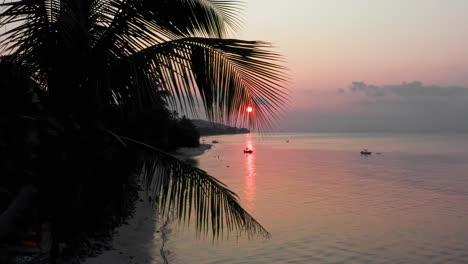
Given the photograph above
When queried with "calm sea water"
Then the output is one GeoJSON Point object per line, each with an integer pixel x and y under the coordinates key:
{"type": "Point", "coordinates": [325, 203]}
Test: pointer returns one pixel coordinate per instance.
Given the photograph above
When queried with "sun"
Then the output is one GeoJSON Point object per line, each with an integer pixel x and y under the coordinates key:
{"type": "Point", "coordinates": [249, 109]}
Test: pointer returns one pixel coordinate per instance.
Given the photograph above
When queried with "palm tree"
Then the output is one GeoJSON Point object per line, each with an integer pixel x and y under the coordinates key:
{"type": "Point", "coordinates": [96, 64]}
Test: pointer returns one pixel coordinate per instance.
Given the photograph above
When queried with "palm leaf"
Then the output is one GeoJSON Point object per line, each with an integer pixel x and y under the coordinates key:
{"type": "Point", "coordinates": [181, 188]}
{"type": "Point", "coordinates": [226, 75]}
{"type": "Point", "coordinates": [29, 34]}
{"type": "Point", "coordinates": [118, 53]}
{"type": "Point", "coordinates": [132, 25]}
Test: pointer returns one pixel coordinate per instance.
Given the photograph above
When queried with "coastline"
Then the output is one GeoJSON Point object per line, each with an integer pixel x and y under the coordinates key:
{"type": "Point", "coordinates": [142, 238]}
{"type": "Point", "coordinates": [192, 152]}
{"type": "Point", "coordinates": [134, 242]}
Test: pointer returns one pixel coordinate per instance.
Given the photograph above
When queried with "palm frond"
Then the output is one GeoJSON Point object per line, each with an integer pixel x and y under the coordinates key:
{"type": "Point", "coordinates": [179, 187]}
{"type": "Point", "coordinates": [132, 25]}
{"type": "Point", "coordinates": [26, 32]}
{"type": "Point", "coordinates": [45, 35]}
{"type": "Point", "coordinates": [91, 55]}
{"type": "Point", "coordinates": [227, 75]}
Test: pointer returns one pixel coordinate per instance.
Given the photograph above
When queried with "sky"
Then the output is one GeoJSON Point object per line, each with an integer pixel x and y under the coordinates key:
{"type": "Point", "coordinates": [369, 65]}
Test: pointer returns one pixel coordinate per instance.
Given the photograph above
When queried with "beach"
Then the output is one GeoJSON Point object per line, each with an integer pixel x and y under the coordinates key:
{"type": "Point", "coordinates": [142, 238]}
{"type": "Point", "coordinates": [134, 242]}
{"type": "Point", "coordinates": [183, 153]}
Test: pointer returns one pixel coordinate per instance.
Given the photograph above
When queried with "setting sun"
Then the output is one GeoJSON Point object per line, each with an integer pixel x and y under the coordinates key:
{"type": "Point", "coordinates": [249, 109]}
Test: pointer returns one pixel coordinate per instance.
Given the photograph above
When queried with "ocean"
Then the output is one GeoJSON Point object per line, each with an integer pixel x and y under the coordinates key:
{"type": "Point", "coordinates": [324, 202]}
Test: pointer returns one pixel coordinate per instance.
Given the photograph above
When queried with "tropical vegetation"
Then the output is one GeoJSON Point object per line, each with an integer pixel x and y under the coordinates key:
{"type": "Point", "coordinates": [86, 87]}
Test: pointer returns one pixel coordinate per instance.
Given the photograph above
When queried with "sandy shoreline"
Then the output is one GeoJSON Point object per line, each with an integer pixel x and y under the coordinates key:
{"type": "Point", "coordinates": [142, 239]}
{"type": "Point", "coordinates": [192, 152]}
{"type": "Point", "coordinates": [135, 242]}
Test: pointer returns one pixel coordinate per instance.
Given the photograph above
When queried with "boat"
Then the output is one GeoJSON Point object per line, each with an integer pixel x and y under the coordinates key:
{"type": "Point", "coordinates": [247, 150]}
{"type": "Point", "coordinates": [365, 152]}
{"type": "Point", "coordinates": [215, 141]}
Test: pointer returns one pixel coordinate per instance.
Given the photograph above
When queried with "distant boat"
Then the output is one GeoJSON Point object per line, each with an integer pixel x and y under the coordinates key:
{"type": "Point", "coordinates": [247, 150]}
{"type": "Point", "coordinates": [287, 141]}
{"type": "Point", "coordinates": [365, 152]}
{"type": "Point", "coordinates": [215, 141]}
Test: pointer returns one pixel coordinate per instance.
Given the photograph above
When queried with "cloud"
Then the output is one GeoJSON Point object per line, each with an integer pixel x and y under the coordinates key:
{"type": "Point", "coordinates": [418, 89]}
{"type": "Point", "coordinates": [409, 107]}
{"type": "Point", "coordinates": [412, 89]}
{"type": "Point", "coordinates": [369, 90]}
{"type": "Point", "coordinates": [372, 121]}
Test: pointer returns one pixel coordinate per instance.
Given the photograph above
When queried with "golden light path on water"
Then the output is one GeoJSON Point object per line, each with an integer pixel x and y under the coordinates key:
{"type": "Point", "coordinates": [250, 167]}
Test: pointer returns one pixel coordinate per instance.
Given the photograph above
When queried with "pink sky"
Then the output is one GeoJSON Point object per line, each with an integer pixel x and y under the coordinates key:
{"type": "Point", "coordinates": [331, 43]}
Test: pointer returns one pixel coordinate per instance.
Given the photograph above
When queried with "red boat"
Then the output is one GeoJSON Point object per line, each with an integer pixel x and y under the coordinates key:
{"type": "Point", "coordinates": [247, 150]}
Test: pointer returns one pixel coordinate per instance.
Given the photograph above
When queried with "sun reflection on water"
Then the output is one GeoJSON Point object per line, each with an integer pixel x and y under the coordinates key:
{"type": "Point", "coordinates": [250, 185]}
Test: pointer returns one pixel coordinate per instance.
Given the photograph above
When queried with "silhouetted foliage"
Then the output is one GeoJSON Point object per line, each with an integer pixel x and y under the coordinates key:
{"type": "Point", "coordinates": [184, 134]}
{"type": "Point", "coordinates": [86, 87]}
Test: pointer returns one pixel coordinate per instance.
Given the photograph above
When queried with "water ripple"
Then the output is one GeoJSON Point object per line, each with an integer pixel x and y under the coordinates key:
{"type": "Point", "coordinates": [329, 206]}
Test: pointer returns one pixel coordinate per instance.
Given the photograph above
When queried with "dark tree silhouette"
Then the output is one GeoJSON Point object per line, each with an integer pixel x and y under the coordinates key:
{"type": "Point", "coordinates": [75, 76]}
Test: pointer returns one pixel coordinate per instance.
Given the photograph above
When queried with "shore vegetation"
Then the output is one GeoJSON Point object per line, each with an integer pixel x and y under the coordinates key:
{"type": "Point", "coordinates": [86, 91]}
